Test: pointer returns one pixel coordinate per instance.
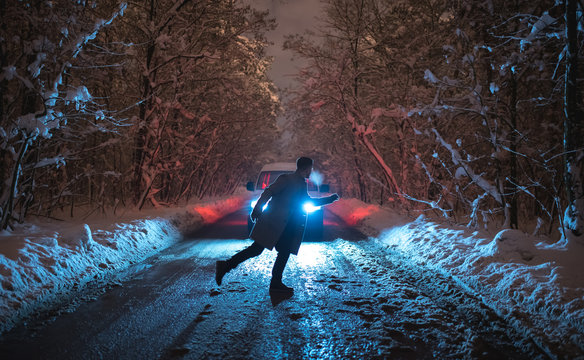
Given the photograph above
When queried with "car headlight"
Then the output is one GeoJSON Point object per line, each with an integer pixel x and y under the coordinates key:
{"type": "Point", "coordinates": [254, 202]}
{"type": "Point", "coordinates": [309, 207]}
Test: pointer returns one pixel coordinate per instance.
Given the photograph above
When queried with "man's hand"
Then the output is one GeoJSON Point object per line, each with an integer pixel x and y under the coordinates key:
{"type": "Point", "coordinates": [334, 197]}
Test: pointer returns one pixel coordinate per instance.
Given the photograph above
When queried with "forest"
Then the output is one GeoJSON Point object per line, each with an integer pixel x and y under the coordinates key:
{"type": "Point", "coordinates": [109, 104]}
{"type": "Point", "coordinates": [470, 110]}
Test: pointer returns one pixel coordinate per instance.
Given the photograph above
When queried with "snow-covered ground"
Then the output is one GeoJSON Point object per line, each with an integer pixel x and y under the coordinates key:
{"type": "Point", "coordinates": [536, 284]}
{"type": "Point", "coordinates": [44, 260]}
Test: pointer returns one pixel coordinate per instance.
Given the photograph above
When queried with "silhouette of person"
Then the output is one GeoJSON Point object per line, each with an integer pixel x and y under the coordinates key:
{"type": "Point", "coordinates": [280, 225]}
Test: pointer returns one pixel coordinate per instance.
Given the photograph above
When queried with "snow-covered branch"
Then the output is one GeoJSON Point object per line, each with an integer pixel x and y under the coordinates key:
{"type": "Point", "coordinates": [457, 159]}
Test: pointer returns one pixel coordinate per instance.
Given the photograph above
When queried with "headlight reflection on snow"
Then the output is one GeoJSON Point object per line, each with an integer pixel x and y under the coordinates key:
{"type": "Point", "coordinates": [312, 255]}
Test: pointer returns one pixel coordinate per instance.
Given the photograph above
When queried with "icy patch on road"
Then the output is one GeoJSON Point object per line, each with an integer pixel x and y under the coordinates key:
{"type": "Point", "coordinates": [41, 262]}
{"type": "Point", "coordinates": [528, 280]}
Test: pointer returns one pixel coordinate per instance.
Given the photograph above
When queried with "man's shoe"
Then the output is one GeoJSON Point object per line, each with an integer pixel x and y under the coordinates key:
{"type": "Point", "coordinates": [221, 268]}
{"type": "Point", "coordinates": [280, 287]}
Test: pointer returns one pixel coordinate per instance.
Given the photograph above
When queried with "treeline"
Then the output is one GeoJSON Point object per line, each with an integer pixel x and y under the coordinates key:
{"type": "Point", "coordinates": [455, 107]}
{"type": "Point", "coordinates": [107, 104]}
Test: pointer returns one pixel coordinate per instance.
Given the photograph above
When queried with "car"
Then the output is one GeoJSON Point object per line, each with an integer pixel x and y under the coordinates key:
{"type": "Point", "coordinates": [268, 175]}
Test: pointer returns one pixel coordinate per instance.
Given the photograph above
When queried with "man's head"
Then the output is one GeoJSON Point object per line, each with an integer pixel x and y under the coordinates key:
{"type": "Point", "coordinates": [304, 166]}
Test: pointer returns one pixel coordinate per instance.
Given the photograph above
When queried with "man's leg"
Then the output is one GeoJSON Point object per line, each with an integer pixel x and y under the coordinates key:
{"type": "Point", "coordinates": [279, 265]}
{"type": "Point", "coordinates": [253, 250]}
{"type": "Point", "coordinates": [223, 267]}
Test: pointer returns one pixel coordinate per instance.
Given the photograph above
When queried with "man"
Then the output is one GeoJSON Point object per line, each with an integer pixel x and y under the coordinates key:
{"type": "Point", "coordinates": [281, 224]}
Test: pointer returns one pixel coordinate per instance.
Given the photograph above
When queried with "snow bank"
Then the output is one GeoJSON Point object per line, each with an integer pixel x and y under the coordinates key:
{"type": "Point", "coordinates": [534, 283]}
{"type": "Point", "coordinates": [39, 263]}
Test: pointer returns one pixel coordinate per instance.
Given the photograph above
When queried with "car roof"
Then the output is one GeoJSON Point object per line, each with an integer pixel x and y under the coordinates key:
{"type": "Point", "coordinates": [280, 166]}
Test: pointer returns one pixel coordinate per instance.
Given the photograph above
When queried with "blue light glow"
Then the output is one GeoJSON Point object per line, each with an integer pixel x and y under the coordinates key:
{"type": "Point", "coordinates": [309, 207]}
{"type": "Point", "coordinates": [254, 202]}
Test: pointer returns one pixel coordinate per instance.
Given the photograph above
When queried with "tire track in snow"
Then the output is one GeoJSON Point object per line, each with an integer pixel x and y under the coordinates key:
{"type": "Point", "coordinates": [433, 306]}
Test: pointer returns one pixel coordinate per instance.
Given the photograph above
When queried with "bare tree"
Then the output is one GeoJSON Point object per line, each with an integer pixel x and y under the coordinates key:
{"type": "Point", "coordinates": [573, 127]}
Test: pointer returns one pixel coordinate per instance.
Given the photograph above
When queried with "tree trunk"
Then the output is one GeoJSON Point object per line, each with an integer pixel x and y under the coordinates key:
{"type": "Point", "coordinates": [2, 63]}
{"type": "Point", "coordinates": [12, 190]}
{"type": "Point", "coordinates": [384, 167]}
{"type": "Point", "coordinates": [145, 107]}
{"type": "Point", "coordinates": [513, 221]}
{"type": "Point", "coordinates": [360, 176]}
{"type": "Point", "coordinates": [573, 142]}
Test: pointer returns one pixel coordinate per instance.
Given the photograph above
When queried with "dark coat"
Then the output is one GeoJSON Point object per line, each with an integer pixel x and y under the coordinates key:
{"type": "Point", "coordinates": [284, 219]}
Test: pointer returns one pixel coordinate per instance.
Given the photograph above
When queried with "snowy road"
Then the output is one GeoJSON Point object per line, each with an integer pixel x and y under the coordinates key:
{"type": "Point", "coordinates": [353, 300]}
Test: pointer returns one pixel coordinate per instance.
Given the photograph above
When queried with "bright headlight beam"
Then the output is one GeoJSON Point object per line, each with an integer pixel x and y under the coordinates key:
{"type": "Point", "coordinates": [254, 202]}
{"type": "Point", "coordinates": [309, 207]}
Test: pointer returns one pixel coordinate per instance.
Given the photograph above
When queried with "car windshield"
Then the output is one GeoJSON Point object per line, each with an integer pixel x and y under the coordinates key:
{"type": "Point", "coordinates": [267, 178]}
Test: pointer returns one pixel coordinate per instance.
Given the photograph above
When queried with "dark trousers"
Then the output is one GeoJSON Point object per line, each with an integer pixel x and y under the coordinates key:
{"type": "Point", "coordinates": [256, 249]}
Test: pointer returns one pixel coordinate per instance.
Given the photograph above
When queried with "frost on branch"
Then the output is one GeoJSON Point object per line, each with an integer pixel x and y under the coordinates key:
{"type": "Point", "coordinates": [574, 219]}
{"type": "Point", "coordinates": [78, 95]}
{"type": "Point", "coordinates": [538, 27]}
{"type": "Point", "coordinates": [34, 125]}
{"type": "Point", "coordinates": [457, 159]}
{"type": "Point", "coordinates": [430, 77]}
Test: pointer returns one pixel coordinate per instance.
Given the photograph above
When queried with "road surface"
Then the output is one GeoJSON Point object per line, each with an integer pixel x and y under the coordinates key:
{"type": "Point", "coordinates": [353, 299]}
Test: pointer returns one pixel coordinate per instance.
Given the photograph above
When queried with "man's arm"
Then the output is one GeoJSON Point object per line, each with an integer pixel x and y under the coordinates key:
{"type": "Point", "coordinates": [325, 200]}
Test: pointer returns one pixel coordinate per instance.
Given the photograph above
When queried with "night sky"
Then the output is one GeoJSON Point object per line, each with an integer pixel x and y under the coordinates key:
{"type": "Point", "coordinates": [293, 17]}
